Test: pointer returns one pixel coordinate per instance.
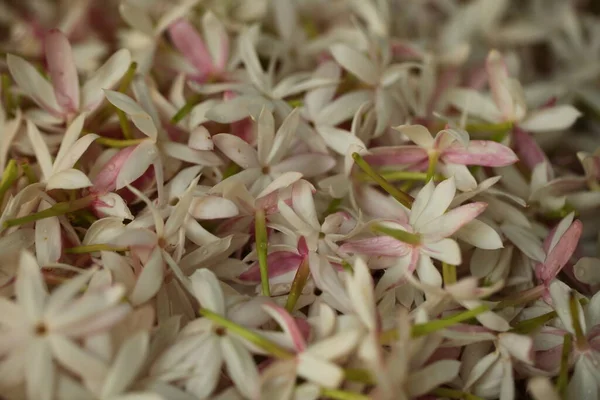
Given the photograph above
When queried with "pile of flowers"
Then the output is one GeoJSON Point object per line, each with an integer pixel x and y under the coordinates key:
{"type": "Point", "coordinates": [299, 199]}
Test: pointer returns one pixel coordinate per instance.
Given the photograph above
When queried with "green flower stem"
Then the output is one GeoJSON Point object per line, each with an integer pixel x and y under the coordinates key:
{"type": "Point", "coordinates": [253, 337]}
{"type": "Point", "coordinates": [418, 330]}
{"type": "Point", "coordinates": [56, 210]}
{"type": "Point", "coordinates": [347, 267]}
{"type": "Point", "coordinates": [351, 374]}
{"type": "Point", "coordinates": [404, 198]}
{"type": "Point", "coordinates": [128, 77]}
{"type": "Point", "coordinates": [395, 176]}
{"type": "Point", "coordinates": [297, 285]}
{"type": "Point", "coordinates": [28, 172]}
{"type": "Point", "coordinates": [523, 297]}
{"type": "Point", "coordinates": [333, 206]}
{"type": "Point", "coordinates": [338, 394]}
{"type": "Point", "coordinates": [530, 325]}
{"type": "Point", "coordinates": [92, 248]}
{"type": "Point", "coordinates": [433, 160]}
{"type": "Point", "coordinates": [119, 143]}
{"type": "Point", "coordinates": [295, 103]}
{"type": "Point", "coordinates": [260, 233]}
{"type": "Point", "coordinates": [449, 274]}
{"type": "Point", "coordinates": [9, 176]}
{"type": "Point", "coordinates": [123, 87]}
{"type": "Point", "coordinates": [580, 340]}
{"type": "Point", "coordinates": [186, 109]}
{"type": "Point", "coordinates": [398, 234]}
{"type": "Point", "coordinates": [358, 375]}
{"type": "Point", "coordinates": [231, 170]}
{"type": "Point", "coordinates": [563, 375]}
{"type": "Point", "coordinates": [501, 127]}
{"type": "Point", "coordinates": [125, 126]}
{"type": "Point", "coordinates": [454, 394]}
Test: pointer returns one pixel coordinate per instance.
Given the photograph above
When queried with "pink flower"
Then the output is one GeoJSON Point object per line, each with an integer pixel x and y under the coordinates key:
{"type": "Point", "coordinates": [63, 97]}
{"type": "Point", "coordinates": [451, 149]}
{"type": "Point", "coordinates": [208, 53]}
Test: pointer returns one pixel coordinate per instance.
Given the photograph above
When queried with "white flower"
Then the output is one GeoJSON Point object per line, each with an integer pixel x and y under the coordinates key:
{"type": "Point", "coordinates": [203, 347]}
{"type": "Point", "coordinates": [40, 329]}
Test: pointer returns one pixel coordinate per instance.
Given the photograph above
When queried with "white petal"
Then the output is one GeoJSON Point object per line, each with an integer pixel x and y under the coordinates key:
{"type": "Point", "coordinates": [438, 201]}
{"type": "Point", "coordinates": [40, 148]}
{"type": "Point", "coordinates": [238, 108]}
{"type": "Point", "coordinates": [355, 62]}
{"type": "Point", "coordinates": [40, 371]}
{"type": "Point", "coordinates": [284, 136]}
{"type": "Point", "coordinates": [324, 373]}
{"type": "Point", "coordinates": [71, 136]}
{"type": "Point", "coordinates": [74, 152]}
{"type": "Point", "coordinates": [127, 364]}
{"type": "Point", "coordinates": [525, 241]}
{"type": "Point", "coordinates": [68, 179]}
{"type": "Point", "coordinates": [32, 83]}
{"type": "Point", "coordinates": [30, 288]}
{"type": "Point", "coordinates": [150, 279]}
{"type": "Point", "coordinates": [237, 150]}
{"type": "Point", "coordinates": [213, 207]}
{"type": "Point", "coordinates": [140, 118]}
{"type": "Point", "coordinates": [207, 290]}
{"type": "Point", "coordinates": [480, 235]}
{"type": "Point", "coordinates": [77, 360]}
{"type": "Point", "coordinates": [445, 250]}
{"type": "Point", "coordinates": [105, 78]}
{"type": "Point", "coordinates": [200, 139]}
{"type": "Point", "coordinates": [48, 240]}
{"type": "Point", "coordinates": [241, 367]}
{"type": "Point", "coordinates": [427, 272]}
{"type": "Point", "coordinates": [432, 376]}
{"type": "Point", "coordinates": [551, 119]}
{"type": "Point", "coordinates": [339, 140]}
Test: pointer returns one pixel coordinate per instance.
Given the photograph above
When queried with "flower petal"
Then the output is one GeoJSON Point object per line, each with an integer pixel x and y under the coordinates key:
{"type": "Point", "coordinates": [237, 150]}
{"type": "Point", "coordinates": [241, 367]}
{"type": "Point", "coordinates": [207, 290]}
{"type": "Point", "coordinates": [551, 119]}
{"type": "Point", "coordinates": [452, 221]}
{"type": "Point", "coordinates": [68, 179]}
{"type": "Point", "coordinates": [355, 62]}
{"type": "Point", "coordinates": [62, 70]}
{"type": "Point", "coordinates": [150, 279]}
{"type": "Point", "coordinates": [105, 78]}
{"type": "Point", "coordinates": [480, 152]}
{"type": "Point", "coordinates": [127, 364]}
{"type": "Point", "coordinates": [187, 40]}
{"type": "Point", "coordinates": [32, 83]}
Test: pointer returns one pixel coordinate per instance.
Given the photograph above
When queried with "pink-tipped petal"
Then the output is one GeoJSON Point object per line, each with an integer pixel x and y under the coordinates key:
{"type": "Point", "coordinates": [106, 180]}
{"type": "Point", "coordinates": [528, 150]}
{"type": "Point", "coordinates": [480, 152]}
{"type": "Point", "coordinates": [560, 254]}
{"type": "Point", "coordinates": [396, 155]}
{"type": "Point", "coordinates": [279, 263]}
{"type": "Point", "coordinates": [63, 72]}
{"type": "Point", "coordinates": [187, 40]}
{"type": "Point", "coordinates": [377, 246]}
{"type": "Point", "coordinates": [288, 324]}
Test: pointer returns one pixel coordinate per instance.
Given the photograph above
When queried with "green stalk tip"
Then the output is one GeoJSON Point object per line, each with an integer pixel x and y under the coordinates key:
{"type": "Point", "coordinates": [260, 233]}
{"type": "Point", "coordinates": [403, 198]}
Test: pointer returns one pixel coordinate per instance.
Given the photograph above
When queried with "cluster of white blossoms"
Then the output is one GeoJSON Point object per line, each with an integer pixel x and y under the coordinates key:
{"type": "Point", "coordinates": [299, 199]}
